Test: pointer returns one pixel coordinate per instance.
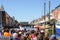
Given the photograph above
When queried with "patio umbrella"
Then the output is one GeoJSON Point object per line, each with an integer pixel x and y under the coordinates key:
{"type": "Point", "coordinates": [37, 26]}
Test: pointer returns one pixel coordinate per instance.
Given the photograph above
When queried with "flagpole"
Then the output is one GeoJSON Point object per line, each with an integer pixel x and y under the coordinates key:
{"type": "Point", "coordinates": [45, 15]}
{"type": "Point", "coordinates": [49, 20]}
{"type": "Point", "coordinates": [45, 12]}
{"type": "Point", "coordinates": [49, 10]}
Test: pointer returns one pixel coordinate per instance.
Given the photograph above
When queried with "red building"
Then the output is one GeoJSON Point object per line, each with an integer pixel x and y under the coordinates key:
{"type": "Point", "coordinates": [56, 13]}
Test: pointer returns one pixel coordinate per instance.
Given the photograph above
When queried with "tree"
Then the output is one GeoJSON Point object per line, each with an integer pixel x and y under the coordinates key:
{"type": "Point", "coordinates": [16, 22]}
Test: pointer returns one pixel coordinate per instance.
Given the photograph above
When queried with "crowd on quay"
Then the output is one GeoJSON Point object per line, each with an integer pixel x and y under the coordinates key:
{"type": "Point", "coordinates": [26, 35]}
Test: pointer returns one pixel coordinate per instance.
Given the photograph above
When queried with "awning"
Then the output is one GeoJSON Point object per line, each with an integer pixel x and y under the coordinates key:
{"type": "Point", "coordinates": [36, 26]}
{"type": "Point", "coordinates": [42, 21]}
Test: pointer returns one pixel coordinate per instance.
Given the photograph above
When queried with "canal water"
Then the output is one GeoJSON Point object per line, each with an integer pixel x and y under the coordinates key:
{"type": "Point", "coordinates": [29, 28]}
{"type": "Point", "coordinates": [25, 27]}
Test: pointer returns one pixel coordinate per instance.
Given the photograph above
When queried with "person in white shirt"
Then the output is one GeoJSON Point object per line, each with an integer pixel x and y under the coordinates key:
{"type": "Point", "coordinates": [15, 36]}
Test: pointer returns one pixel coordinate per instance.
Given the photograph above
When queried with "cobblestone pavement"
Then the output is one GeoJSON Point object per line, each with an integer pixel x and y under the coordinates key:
{"type": "Point", "coordinates": [0, 39]}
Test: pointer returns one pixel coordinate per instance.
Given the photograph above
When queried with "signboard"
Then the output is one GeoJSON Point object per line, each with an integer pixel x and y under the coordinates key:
{"type": "Point", "coordinates": [57, 26]}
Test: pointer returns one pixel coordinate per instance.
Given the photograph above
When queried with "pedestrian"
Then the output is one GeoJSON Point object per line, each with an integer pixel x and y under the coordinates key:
{"type": "Point", "coordinates": [46, 37]}
{"type": "Point", "coordinates": [12, 31]}
{"type": "Point", "coordinates": [38, 36]}
{"type": "Point", "coordinates": [20, 37]}
{"type": "Point", "coordinates": [53, 37]}
{"type": "Point", "coordinates": [0, 34]}
{"type": "Point", "coordinates": [29, 36]}
{"type": "Point", "coordinates": [15, 36]}
{"type": "Point", "coordinates": [6, 35]}
{"type": "Point", "coordinates": [34, 37]}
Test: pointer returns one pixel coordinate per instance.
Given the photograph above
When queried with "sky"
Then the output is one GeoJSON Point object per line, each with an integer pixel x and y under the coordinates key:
{"type": "Point", "coordinates": [27, 10]}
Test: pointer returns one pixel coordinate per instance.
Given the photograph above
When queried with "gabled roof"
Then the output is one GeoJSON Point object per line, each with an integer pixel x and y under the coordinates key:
{"type": "Point", "coordinates": [56, 8]}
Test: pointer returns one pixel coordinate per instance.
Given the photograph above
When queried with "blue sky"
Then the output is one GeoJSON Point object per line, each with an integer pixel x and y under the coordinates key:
{"type": "Point", "coordinates": [27, 10]}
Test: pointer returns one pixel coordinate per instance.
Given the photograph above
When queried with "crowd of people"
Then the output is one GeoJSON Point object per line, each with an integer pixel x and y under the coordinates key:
{"type": "Point", "coordinates": [26, 35]}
